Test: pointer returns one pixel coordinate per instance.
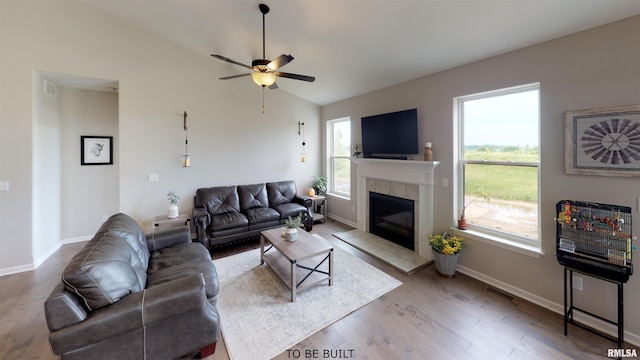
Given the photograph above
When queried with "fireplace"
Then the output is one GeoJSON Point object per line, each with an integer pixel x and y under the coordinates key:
{"type": "Point", "coordinates": [392, 218]}
{"type": "Point", "coordinates": [409, 179]}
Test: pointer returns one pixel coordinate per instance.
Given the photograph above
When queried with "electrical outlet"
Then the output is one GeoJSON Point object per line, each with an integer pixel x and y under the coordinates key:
{"type": "Point", "coordinates": [445, 182]}
{"type": "Point", "coordinates": [577, 283]}
{"type": "Point", "coordinates": [153, 177]}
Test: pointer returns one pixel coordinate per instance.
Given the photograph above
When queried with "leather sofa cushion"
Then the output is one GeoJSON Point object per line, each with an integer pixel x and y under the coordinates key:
{"type": "Point", "coordinates": [103, 272]}
{"type": "Point", "coordinates": [174, 262]}
{"type": "Point", "coordinates": [260, 215]}
{"type": "Point", "coordinates": [126, 228]}
{"type": "Point", "coordinates": [290, 209]}
{"type": "Point", "coordinates": [281, 192]}
{"type": "Point", "coordinates": [218, 200]}
{"type": "Point", "coordinates": [253, 196]}
{"type": "Point", "coordinates": [228, 220]}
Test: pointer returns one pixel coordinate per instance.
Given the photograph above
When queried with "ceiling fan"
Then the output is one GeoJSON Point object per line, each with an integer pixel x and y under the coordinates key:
{"type": "Point", "coordinates": [265, 71]}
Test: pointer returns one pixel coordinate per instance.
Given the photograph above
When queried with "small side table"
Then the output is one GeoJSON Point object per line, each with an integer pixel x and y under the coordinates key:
{"type": "Point", "coordinates": [319, 208]}
{"type": "Point", "coordinates": [162, 222]}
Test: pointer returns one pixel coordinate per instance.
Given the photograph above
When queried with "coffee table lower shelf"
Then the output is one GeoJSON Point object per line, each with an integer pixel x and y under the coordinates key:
{"type": "Point", "coordinates": [299, 276]}
{"type": "Point", "coordinates": [301, 263]}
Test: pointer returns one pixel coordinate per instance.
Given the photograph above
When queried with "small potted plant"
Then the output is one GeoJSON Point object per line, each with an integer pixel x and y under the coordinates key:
{"type": "Point", "coordinates": [446, 249]}
{"type": "Point", "coordinates": [173, 204]}
{"type": "Point", "coordinates": [320, 184]}
{"type": "Point", "coordinates": [292, 225]}
{"type": "Point", "coordinates": [356, 150]}
{"type": "Point", "coordinates": [462, 221]}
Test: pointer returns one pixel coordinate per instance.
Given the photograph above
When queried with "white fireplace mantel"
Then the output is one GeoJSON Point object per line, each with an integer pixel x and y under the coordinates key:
{"type": "Point", "coordinates": [402, 171]}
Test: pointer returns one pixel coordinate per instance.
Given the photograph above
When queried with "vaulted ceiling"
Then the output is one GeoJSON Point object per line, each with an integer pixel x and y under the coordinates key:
{"type": "Point", "coordinates": [356, 46]}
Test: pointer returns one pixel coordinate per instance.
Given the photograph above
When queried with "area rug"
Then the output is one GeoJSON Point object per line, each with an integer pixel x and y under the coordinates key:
{"type": "Point", "coordinates": [258, 320]}
{"type": "Point", "coordinates": [393, 254]}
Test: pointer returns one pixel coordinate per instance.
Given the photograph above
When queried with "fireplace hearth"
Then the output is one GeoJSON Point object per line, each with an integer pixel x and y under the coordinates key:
{"type": "Point", "coordinates": [392, 218]}
{"type": "Point", "coordinates": [409, 179]}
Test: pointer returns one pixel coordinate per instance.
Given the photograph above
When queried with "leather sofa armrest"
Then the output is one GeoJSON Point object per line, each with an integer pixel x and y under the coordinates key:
{"type": "Point", "coordinates": [166, 238]}
{"type": "Point", "coordinates": [173, 298]}
{"type": "Point", "coordinates": [307, 219]}
{"type": "Point", "coordinates": [133, 311]}
{"type": "Point", "coordinates": [303, 200]}
{"type": "Point", "coordinates": [63, 308]}
{"type": "Point", "coordinates": [201, 220]}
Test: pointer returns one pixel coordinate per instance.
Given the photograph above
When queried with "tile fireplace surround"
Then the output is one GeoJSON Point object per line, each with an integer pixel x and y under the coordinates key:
{"type": "Point", "coordinates": [409, 179]}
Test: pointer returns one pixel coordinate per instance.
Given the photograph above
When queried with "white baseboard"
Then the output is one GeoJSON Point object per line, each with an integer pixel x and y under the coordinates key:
{"type": "Point", "coordinates": [77, 239]}
{"type": "Point", "coordinates": [344, 221]}
{"type": "Point", "coordinates": [16, 269]}
{"type": "Point", "coordinates": [39, 261]}
{"type": "Point", "coordinates": [587, 320]}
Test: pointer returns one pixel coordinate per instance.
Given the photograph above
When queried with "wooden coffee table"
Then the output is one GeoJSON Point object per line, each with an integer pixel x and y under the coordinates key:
{"type": "Point", "coordinates": [294, 261]}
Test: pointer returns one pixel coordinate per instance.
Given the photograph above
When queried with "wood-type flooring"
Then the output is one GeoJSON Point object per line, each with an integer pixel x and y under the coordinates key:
{"type": "Point", "coordinates": [428, 317]}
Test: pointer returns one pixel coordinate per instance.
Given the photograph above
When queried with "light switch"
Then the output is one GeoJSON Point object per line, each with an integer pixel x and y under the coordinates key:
{"type": "Point", "coordinates": [4, 186]}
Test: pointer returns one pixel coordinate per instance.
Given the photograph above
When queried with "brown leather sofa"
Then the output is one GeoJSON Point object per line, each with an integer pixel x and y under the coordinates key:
{"type": "Point", "coordinates": [227, 213]}
{"type": "Point", "coordinates": [130, 296]}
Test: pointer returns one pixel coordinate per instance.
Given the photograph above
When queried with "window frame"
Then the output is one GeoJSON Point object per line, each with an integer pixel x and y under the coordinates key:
{"type": "Point", "coordinates": [503, 239]}
{"type": "Point", "coordinates": [331, 157]}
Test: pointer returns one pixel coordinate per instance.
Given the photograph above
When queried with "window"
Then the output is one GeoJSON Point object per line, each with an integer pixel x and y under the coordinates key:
{"type": "Point", "coordinates": [498, 164]}
{"type": "Point", "coordinates": [338, 162]}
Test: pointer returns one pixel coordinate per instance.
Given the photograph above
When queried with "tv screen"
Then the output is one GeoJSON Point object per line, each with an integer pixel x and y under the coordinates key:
{"type": "Point", "coordinates": [390, 135]}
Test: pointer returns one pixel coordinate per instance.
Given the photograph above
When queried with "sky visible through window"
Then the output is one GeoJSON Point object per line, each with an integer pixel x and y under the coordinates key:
{"type": "Point", "coordinates": [515, 115]}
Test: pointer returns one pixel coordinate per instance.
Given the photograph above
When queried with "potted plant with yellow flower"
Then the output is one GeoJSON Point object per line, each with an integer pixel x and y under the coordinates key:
{"type": "Point", "coordinates": [446, 249]}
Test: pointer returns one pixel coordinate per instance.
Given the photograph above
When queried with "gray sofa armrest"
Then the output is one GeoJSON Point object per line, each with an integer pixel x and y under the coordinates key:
{"type": "Point", "coordinates": [63, 308]}
{"type": "Point", "coordinates": [166, 238]}
{"type": "Point", "coordinates": [303, 200]}
{"type": "Point", "coordinates": [133, 311]}
{"type": "Point", "coordinates": [201, 221]}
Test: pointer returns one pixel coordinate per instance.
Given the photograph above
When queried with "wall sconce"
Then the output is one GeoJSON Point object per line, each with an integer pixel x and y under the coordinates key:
{"type": "Point", "coordinates": [303, 153]}
{"type": "Point", "coordinates": [186, 158]}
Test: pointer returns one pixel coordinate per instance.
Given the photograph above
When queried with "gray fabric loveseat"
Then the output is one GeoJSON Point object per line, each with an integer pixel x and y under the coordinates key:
{"type": "Point", "coordinates": [227, 213]}
{"type": "Point", "coordinates": [130, 296]}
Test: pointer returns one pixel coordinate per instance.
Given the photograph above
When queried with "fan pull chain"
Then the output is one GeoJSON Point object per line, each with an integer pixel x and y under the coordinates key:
{"type": "Point", "coordinates": [262, 99]}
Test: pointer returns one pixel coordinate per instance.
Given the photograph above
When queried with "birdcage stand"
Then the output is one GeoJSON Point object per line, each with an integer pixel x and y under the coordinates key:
{"type": "Point", "coordinates": [569, 308]}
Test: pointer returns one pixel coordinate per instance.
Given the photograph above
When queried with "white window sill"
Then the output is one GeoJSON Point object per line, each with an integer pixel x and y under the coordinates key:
{"type": "Point", "coordinates": [524, 249]}
{"type": "Point", "coordinates": [339, 197]}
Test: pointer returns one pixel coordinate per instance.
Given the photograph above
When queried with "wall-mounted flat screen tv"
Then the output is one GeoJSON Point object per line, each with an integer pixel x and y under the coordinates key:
{"type": "Point", "coordinates": [392, 135]}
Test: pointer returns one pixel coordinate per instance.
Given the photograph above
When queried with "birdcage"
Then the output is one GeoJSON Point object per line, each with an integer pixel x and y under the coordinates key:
{"type": "Point", "coordinates": [595, 239]}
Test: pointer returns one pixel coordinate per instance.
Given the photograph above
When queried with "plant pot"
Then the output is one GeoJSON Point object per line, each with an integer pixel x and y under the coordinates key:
{"type": "Point", "coordinates": [173, 211]}
{"type": "Point", "coordinates": [445, 264]}
{"type": "Point", "coordinates": [291, 234]}
{"type": "Point", "coordinates": [462, 224]}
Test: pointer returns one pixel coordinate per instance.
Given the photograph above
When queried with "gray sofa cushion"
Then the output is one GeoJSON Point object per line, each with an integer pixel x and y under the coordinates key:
{"type": "Point", "coordinates": [126, 228]}
{"type": "Point", "coordinates": [253, 196]}
{"type": "Point", "coordinates": [177, 261]}
{"type": "Point", "coordinates": [103, 271]}
{"type": "Point", "coordinates": [218, 200]}
{"type": "Point", "coordinates": [281, 192]}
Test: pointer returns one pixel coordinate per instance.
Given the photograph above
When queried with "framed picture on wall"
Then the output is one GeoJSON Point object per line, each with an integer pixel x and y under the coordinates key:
{"type": "Point", "coordinates": [96, 150]}
{"type": "Point", "coordinates": [603, 141]}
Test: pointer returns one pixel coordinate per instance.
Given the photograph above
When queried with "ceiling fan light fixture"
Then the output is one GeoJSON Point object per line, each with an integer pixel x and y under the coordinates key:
{"type": "Point", "coordinates": [263, 78]}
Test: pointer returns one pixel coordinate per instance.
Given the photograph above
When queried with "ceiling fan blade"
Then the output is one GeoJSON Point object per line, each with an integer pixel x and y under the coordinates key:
{"type": "Point", "coordinates": [296, 76]}
{"type": "Point", "coordinates": [234, 76]}
{"type": "Point", "coordinates": [279, 62]}
{"type": "Point", "coordinates": [273, 87]}
{"type": "Point", "coordinates": [220, 57]}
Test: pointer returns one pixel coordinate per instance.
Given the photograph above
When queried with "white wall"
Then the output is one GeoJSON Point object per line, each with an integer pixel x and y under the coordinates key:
{"type": "Point", "coordinates": [47, 171]}
{"type": "Point", "coordinates": [92, 191]}
{"type": "Point", "coordinates": [231, 141]}
{"type": "Point", "coordinates": [595, 68]}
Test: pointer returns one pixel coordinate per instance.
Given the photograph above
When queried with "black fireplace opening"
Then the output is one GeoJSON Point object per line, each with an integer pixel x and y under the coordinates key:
{"type": "Point", "coordinates": [392, 218]}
